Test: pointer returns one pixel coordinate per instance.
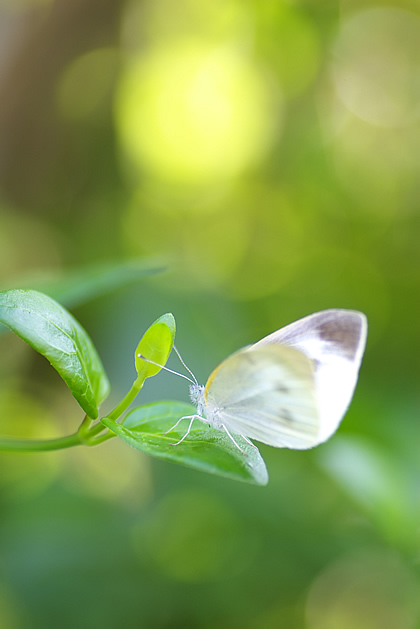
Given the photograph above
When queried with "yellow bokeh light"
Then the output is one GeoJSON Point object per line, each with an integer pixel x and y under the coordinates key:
{"type": "Point", "coordinates": [194, 113]}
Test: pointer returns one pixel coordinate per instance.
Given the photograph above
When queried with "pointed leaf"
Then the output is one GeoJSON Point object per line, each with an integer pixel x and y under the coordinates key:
{"type": "Point", "coordinates": [54, 333]}
{"type": "Point", "coordinates": [156, 344]}
{"type": "Point", "coordinates": [76, 286]}
{"type": "Point", "coordinates": [205, 449]}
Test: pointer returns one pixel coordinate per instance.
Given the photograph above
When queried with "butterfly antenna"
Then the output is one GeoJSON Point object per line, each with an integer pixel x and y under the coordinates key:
{"type": "Point", "coordinates": [187, 368]}
{"type": "Point", "coordinates": [152, 362]}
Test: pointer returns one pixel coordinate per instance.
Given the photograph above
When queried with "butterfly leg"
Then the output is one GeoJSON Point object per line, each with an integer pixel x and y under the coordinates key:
{"type": "Point", "coordinates": [189, 428]}
{"type": "Point", "coordinates": [179, 421]}
{"type": "Point", "coordinates": [250, 442]}
{"type": "Point", "coordinates": [233, 440]}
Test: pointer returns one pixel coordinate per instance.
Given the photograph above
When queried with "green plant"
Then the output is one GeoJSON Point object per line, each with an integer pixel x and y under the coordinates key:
{"type": "Point", "coordinates": [53, 332]}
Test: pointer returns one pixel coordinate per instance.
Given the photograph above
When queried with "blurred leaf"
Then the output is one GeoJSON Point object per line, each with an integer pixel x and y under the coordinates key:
{"type": "Point", "coordinates": [75, 287]}
{"type": "Point", "coordinates": [205, 449]}
{"type": "Point", "coordinates": [156, 344]}
{"type": "Point", "coordinates": [54, 333]}
{"type": "Point", "coordinates": [375, 480]}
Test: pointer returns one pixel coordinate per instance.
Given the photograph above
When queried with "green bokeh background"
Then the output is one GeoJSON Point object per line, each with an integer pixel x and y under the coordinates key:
{"type": "Point", "coordinates": [267, 154]}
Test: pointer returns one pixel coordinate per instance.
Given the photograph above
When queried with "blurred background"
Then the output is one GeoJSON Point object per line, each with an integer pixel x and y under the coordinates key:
{"type": "Point", "coordinates": [266, 154]}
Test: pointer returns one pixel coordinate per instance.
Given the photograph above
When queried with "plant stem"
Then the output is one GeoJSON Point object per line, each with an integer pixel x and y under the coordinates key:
{"type": "Point", "coordinates": [86, 435]}
{"type": "Point", "coordinates": [39, 445]}
{"type": "Point", "coordinates": [84, 426]}
{"type": "Point", "coordinates": [102, 438]}
{"type": "Point", "coordinates": [126, 401]}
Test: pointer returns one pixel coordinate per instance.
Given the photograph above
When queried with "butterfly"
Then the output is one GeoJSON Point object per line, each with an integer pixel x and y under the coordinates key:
{"type": "Point", "coordinates": [292, 388]}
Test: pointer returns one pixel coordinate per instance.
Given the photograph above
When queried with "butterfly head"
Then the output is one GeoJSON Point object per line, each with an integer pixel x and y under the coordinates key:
{"type": "Point", "coordinates": [197, 397]}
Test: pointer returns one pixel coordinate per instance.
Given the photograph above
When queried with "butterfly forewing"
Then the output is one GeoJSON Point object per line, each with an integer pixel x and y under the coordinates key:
{"type": "Point", "coordinates": [266, 394]}
{"type": "Point", "coordinates": [335, 340]}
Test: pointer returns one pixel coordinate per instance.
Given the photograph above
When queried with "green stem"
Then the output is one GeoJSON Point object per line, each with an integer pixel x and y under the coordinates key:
{"type": "Point", "coordinates": [86, 435]}
{"type": "Point", "coordinates": [102, 438]}
{"type": "Point", "coordinates": [39, 445]}
{"type": "Point", "coordinates": [84, 426]}
{"type": "Point", "coordinates": [95, 430]}
{"type": "Point", "coordinates": [126, 401]}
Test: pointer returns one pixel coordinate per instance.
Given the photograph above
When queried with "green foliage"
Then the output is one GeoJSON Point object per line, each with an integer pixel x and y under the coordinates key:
{"type": "Point", "coordinates": [204, 449]}
{"type": "Point", "coordinates": [155, 345]}
{"type": "Point", "coordinates": [55, 333]}
{"type": "Point", "coordinates": [74, 287]}
{"type": "Point", "coordinates": [326, 213]}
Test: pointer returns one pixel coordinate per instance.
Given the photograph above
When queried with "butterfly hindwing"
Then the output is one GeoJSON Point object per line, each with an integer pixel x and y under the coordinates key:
{"type": "Point", "coordinates": [267, 394]}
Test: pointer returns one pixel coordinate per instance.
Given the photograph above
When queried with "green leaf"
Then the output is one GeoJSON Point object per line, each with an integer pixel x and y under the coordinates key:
{"type": "Point", "coordinates": [76, 286]}
{"type": "Point", "coordinates": [205, 449]}
{"type": "Point", "coordinates": [54, 333]}
{"type": "Point", "coordinates": [374, 479]}
{"type": "Point", "coordinates": [156, 344]}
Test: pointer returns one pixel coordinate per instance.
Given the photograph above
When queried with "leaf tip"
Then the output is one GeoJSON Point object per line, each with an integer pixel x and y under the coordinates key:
{"type": "Point", "coordinates": [155, 345]}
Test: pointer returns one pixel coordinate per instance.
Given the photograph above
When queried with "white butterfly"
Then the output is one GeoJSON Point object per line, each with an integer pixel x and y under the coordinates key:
{"type": "Point", "coordinates": [292, 388]}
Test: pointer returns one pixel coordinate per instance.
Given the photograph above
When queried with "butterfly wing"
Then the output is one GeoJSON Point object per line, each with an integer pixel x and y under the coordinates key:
{"type": "Point", "coordinates": [335, 340]}
{"type": "Point", "coordinates": [267, 394]}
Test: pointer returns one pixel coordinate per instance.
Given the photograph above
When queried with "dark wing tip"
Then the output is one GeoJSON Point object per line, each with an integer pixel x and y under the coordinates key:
{"type": "Point", "coordinates": [346, 328]}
